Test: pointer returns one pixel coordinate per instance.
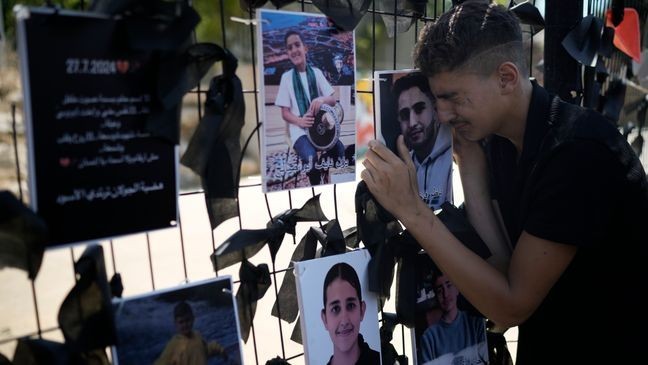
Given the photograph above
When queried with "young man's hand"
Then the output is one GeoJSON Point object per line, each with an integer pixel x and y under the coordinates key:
{"type": "Point", "coordinates": [392, 179]}
{"type": "Point", "coordinates": [467, 154]}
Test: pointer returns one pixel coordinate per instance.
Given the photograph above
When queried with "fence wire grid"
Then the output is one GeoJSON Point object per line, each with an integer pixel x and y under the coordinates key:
{"type": "Point", "coordinates": [173, 257]}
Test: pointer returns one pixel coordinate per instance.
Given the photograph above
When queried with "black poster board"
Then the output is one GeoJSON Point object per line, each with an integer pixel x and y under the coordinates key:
{"type": "Point", "coordinates": [95, 172]}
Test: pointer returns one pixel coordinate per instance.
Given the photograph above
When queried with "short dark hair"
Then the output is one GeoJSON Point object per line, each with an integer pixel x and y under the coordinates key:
{"type": "Point", "coordinates": [475, 36]}
{"type": "Point", "coordinates": [412, 79]}
{"type": "Point", "coordinates": [292, 32]}
{"type": "Point", "coordinates": [345, 272]}
{"type": "Point", "coordinates": [182, 309]}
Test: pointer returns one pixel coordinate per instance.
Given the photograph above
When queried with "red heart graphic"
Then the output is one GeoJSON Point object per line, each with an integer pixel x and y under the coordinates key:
{"type": "Point", "coordinates": [64, 161]}
{"type": "Point", "coordinates": [122, 66]}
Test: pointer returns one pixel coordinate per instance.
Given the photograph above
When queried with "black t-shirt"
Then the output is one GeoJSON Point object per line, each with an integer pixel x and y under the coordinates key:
{"type": "Point", "coordinates": [367, 355]}
{"type": "Point", "coordinates": [578, 195]}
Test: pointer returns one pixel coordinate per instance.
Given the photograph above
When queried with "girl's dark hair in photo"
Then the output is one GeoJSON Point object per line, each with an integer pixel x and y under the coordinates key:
{"type": "Point", "coordinates": [345, 272]}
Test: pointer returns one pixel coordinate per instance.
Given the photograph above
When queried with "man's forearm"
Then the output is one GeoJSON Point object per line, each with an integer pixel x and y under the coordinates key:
{"type": "Point", "coordinates": [482, 216]}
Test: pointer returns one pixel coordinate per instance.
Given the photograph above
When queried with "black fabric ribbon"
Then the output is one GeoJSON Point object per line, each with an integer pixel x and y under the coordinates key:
{"type": "Point", "coordinates": [374, 224]}
{"type": "Point", "coordinates": [388, 246]}
{"type": "Point", "coordinates": [179, 72]}
{"type": "Point", "coordinates": [385, 256]}
{"type": "Point", "coordinates": [331, 238]}
{"type": "Point", "coordinates": [255, 281]}
{"type": "Point", "coordinates": [498, 353]}
{"type": "Point", "coordinates": [638, 143]}
{"type": "Point", "coordinates": [214, 151]}
{"type": "Point", "coordinates": [591, 88]}
{"type": "Point", "coordinates": [86, 317]}
{"type": "Point", "coordinates": [162, 30]}
{"type": "Point", "coordinates": [607, 42]}
{"type": "Point", "coordinates": [23, 236]}
{"type": "Point", "coordinates": [583, 42]}
{"type": "Point", "coordinates": [614, 100]}
{"type": "Point", "coordinates": [618, 11]}
{"type": "Point", "coordinates": [333, 242]}
{"type": "Point", "coordinates": [351, 237]}
{"type": "Point", "coordinates": [296, 335]}
{"type": "Point", "coordinates": [116, 286]}
{"type": "Point", "coordinates": [406, 11]}
{"type": "Point", "coordinates": [247, 242]}
{"type": "Point", "coordinates": [455, 220]}
{"type": "Point", "coordinates": [281, 3]}
{"type": "Point", "coordinates": [346, 14]}
{"type": "Point", "coordinates": [251, 4]}
{"type": "Point", "coordinates": [401, 250]}
{"type": "Point", "coordinates": [388, 352]}
{"type": "Point", "coordinates": [277, 361]}
{"type": "Point", "coordinates": [529, 15]}
{"type": "Point", "coordinates": [160, 25]}
{"type": "Point", "coordinates": [39, 351]}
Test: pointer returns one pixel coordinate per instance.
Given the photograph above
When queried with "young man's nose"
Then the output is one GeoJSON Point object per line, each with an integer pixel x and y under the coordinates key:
{"type": "Point", "coordinates": [413, 119]}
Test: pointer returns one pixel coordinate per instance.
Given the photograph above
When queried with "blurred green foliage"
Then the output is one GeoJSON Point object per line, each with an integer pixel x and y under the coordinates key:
{"type": "Point", "coordinates": [9, 20]}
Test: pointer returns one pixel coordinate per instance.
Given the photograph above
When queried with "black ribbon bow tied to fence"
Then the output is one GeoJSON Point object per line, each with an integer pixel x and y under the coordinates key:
{"type": "Point", "coordinates": [346, 14]}
{"type": "Point", "coordinates": [160, 32]}
{"type": "Point", "coordinates": [388, 352]}
{"type": "Point", "coordinates": [584, 41]}
{"type": "Point", "coordinates": [23, 236]}
{"type": "Point", "coordinates": [255, 281]}
{"type": "Point", "coordinates": [86, 316]}
{"type": "Point", "coordinates": [374, 223]}
{"type": "Point", "coordinates": [214, 151]}
{"type": "Point", "coordinates": [178, 73]}
{"type": "Point", "coordinates": [529, 15]}
{"type": "Point", "coordinates": [401, 250]}
{"type": "Point", "coordinates": [332, 240]}
{"type": "Point", "coordinates": [247, 242]}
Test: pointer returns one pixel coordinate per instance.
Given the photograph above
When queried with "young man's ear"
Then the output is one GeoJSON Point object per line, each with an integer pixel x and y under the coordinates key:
{"type": "Point", "coordinates": [323, 314]}
{"type": "Point", "coordinates": [363, 307]}
{"type": "Point", "coordinates": [508, 76]}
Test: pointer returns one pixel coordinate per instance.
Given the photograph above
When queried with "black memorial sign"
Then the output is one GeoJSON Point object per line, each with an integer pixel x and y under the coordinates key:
{"type": "Point", "coordinates": [95, 172]}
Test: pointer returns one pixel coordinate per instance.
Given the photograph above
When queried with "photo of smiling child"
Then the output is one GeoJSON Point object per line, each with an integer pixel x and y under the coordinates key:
{"type": "Point", "coordinates": [308, 102]}
{"type": "Point", "coordinates": [342, 310]}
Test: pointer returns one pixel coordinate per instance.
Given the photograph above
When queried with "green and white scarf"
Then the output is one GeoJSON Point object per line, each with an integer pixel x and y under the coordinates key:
{"type": "Point", "coordinates": [300, 93]}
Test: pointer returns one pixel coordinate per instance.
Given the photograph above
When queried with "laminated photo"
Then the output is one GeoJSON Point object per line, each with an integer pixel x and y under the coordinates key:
{"type": "Point", "coordinates": [307, 101]}
{"type": "Point", "coordinates": [405, 106]}
{"type": "Point", "coordinates": [448, 330]}
{"type": "Point", "coordinates": [192, 324]}
{"type": "Point", "coordinates": [339, 315]}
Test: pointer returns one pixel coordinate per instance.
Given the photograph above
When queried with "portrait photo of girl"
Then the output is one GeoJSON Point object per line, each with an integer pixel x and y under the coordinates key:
{"type": "Point", "coordinates": [341, 308]}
